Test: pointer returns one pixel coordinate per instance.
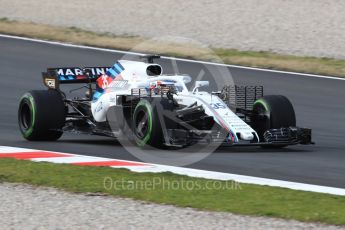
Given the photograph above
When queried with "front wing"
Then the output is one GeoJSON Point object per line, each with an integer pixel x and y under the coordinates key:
{"type": "Point", "coordinates": [272, 137]}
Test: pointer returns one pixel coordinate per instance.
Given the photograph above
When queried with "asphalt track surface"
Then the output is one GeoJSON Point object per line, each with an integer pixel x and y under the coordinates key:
{"type": "Point", "coordinates": [319, 104]}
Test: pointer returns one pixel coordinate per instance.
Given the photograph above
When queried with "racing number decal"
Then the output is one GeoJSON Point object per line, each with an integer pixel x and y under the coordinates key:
{"type": "Point", "coordinates": [104, 81]}
{"type": "Point", "coordinates": [217, 105]}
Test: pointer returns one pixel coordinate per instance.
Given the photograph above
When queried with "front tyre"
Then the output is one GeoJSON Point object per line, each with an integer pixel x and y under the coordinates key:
{"type": "Point", "coordinates": [146, 124]}
{"type": "Point", "coordinates": [41, 115]}
{"type": "Point", "coordinates": [272, 112]}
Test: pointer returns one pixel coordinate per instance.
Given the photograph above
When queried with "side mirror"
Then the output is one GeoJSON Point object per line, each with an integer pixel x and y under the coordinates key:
{"type": "Point", "coordinates": [199, 84]}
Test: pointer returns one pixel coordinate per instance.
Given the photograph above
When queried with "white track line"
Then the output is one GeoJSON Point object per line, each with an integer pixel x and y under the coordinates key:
{"type": "Point", "coordinates": [156, 168]}
{"type": "Point", "coordinates": [70, 160]}
{"type": "Point", "coordinates": [244, 179]}
{"type": "Point", "coordinates": [165, 57]}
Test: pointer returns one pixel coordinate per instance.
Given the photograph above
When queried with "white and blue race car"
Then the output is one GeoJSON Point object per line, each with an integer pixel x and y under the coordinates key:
{"type": "Point", "coordinates": [134, 99]}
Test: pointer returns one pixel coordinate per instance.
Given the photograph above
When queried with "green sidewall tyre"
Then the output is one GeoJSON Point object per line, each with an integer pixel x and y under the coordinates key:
{"type": "Point", "coordinates": [29, 101]}
{"type": "Point", "coordinates": [278, 111]}
{"type": "Point", "coordinates": [41, 115]}
{"type": "Point", "coordinates": [143, 106]}
{"type": "Point", "coordinates": [154, 135]}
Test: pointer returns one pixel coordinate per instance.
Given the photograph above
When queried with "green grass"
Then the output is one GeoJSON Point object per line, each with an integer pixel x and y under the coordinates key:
{"type": "Point", "coordinates": [178, 190]}
{"type": "Point", "coordinates": [315, 65]}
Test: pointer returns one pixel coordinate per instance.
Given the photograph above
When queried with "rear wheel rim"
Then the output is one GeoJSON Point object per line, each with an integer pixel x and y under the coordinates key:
{"type": "Point", "coordinates": [25, 116]}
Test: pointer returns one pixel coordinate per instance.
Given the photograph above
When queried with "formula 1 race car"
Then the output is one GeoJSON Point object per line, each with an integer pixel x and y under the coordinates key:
{"type": "Point", "coordinates": [133, 99]}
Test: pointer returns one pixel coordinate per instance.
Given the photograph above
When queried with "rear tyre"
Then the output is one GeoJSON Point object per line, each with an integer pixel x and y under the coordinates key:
{"type": "Point", "coordinates": [41, 115]}
{"type": "Point", "coordinates": [272, 112]}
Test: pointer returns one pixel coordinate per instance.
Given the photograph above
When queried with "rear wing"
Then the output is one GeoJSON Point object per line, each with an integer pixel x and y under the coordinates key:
{"type": "Point", "coordinates": [68, 75]}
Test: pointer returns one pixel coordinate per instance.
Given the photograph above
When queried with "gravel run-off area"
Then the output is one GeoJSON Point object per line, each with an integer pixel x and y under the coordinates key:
{"type": "Point", "coordinates": [29, 207]}
{"type": "Point", "coordinates": [308, 27]}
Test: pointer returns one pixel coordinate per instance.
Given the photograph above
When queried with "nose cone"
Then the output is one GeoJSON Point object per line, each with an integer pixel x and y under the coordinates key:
{"type": "Point", "coordinates": [247, 136]}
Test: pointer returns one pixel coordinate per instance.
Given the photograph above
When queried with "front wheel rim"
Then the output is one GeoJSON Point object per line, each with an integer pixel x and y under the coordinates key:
{"type": "Point", "coordinates": [142, 124]}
